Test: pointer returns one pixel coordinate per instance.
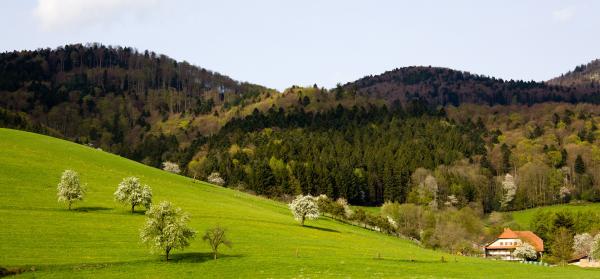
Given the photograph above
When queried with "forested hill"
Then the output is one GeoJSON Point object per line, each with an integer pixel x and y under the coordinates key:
{"type": "Point", "coordinates": [587, 75]}
{"type": "Point", "coordinates": [441, 86]}
{"type": "Point", "coordinates": [418, 134]}
{"type": "Point", "coordinates": [112, 97]}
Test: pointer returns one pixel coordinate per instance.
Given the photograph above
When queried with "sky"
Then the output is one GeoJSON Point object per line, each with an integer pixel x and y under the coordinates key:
{"type": "Point", "coordinates": [280, 43]}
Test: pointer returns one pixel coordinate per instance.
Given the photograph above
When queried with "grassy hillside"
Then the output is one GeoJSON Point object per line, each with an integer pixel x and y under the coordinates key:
{"type": "Point", "coordinates": [100, 238]}
{"type": "Point", "coordinates": [524, 217]}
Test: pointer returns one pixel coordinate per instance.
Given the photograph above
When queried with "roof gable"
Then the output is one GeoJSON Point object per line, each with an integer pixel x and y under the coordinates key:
{"type": "Point", "coordinates": [525, 236]}
{"type": "Point", "coordinates": [508, 233]}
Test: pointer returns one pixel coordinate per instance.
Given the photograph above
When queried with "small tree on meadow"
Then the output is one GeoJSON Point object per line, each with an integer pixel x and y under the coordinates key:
{"type": "Point", "coordinates": [70, 188]}
{"type": "Point", "coordinates": [304, 207]}
{"type": "Point", "coordinates": [215, 237]}
{"type": "Point", "coordinates": [323, 203]}
{"type": "Point", "coordinates": [526, 252]}
{"type": "Point", "coordinates": [171, 167]}
{"type": "Point", "coordinates": [166, 229]}
{"type": "Point", "coordinates": [215, 178]}
{"type": "Point", "coordinates": [131, 192]}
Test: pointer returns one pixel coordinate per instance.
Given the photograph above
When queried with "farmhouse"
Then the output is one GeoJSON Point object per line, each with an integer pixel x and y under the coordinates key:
{"type": "Point", "coordinates": [509, 240]}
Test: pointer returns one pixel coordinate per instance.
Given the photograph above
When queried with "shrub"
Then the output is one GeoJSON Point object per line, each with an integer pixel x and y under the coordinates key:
{"type": "Point", "coordinates": [215, 178]}
{"type": "Point", "coordinates": [171, 167]}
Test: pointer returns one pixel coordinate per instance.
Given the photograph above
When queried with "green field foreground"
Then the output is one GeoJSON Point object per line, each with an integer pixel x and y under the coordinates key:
{"type": "Point", "coordinates": [100, 237]}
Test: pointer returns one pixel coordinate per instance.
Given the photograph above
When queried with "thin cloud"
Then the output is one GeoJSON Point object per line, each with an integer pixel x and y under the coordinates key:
{"type": "Point", "coordinates": [56, 14]}
{"type": "Point", "coordinates": [564, 14]}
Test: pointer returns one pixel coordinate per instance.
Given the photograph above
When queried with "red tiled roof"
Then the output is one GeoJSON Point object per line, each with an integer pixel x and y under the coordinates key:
{"type": "Point", "coordinates": [526, 236]}
{"type": "Point", "coordinates": [508, 233]}
{"type": "Point", "coordinates": [531, 238]}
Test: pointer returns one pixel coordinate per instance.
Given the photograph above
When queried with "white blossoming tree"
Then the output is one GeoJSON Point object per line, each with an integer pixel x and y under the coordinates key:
{"type": "Point", "coordinates": [215, 178]}
{"type": "Point", "coordinates": [171, 167]}
{"type": "Point", "coordinates": [166, 229]}
{"type": "Point", "coordinates": [509, 189]}
{"type": "Point", "coordinates": [70, 188]}
{"type": "Point", "coordinates": [304, 207]}
{"type": "Point", "coordinates": [525, 251]}
{"type": "Point", "coordinates": [582, 244]}
{"type": "Point", "coordinates": [131, 192]}
{"type": "Point", "coordinates": [347, 210]}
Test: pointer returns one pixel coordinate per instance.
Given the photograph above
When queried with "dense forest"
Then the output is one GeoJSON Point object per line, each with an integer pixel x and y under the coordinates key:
{"type": "Point", "coordinates": [112, 97]}
{"type": "Point", "coordinates": [363, 155]}
{"type": "Point", "coordinates": [411, 154]}
{"type": "Point", "coordinates": [423, 135]}
{"type": "Point", "coordinates": [441, 86]}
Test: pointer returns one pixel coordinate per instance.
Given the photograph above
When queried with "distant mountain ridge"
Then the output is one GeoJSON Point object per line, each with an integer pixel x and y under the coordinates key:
{"type": "Point", "coordinates": [151, 108]}
{"type": "Point", "coordinates": [443, 86]}
{"type": "Point", "coordinates": [587, 75]}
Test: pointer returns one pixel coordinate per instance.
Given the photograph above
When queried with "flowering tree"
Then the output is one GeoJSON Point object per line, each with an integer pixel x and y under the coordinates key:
{"type": "Point", "coordinates": [304, 207]}
{"type": "Point", "coordinates": [215, 178]}
{"type": "Point", "coordinates": [70, 188]}
{"type": "Point", "coordinates": [525, 252]}
{"type": "Point", "coordinates": [582, 244]}
{"type": "Point", "coordinates": [344, 204]}
{"type": "Point", "coordinates": [509, 189]}
{"type": "Point", "coordinates": [131, 192]}
{"type": "Point", "coordinates": [166, 228]}
{"type": "Point", "coordinates": [171, 167]}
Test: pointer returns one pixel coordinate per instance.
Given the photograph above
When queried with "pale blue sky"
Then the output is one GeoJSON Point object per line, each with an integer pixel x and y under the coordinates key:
{"type": "Point", "coordinates": [280, 43]}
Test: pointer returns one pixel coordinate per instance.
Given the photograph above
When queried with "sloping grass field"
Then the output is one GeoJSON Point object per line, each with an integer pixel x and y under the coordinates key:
{"type": "Point", "coordinates": [524, 217]}
{"type": "Point", "coordinates": [99, 238]}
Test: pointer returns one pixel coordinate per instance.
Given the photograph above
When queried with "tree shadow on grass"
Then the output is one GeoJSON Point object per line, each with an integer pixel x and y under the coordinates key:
{"type": "Point", "coordinates": [406, 260]}
{"type": "Point", "coordinates": [139, 212]}
{"type": "Point", "coordinates": [321, 229]}
{"type": "Point", "coordinates": [91, 208]}
{"type": "Point", "coordinates": [196, 257]}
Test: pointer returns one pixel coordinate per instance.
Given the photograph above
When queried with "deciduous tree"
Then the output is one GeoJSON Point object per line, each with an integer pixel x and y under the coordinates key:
{"type": "Point", "coordinates": [70, 188]}
{"type": "Point", "coordinates": [166, 228]}
{"type": "Point", "coordinates": [525, 251]}
{"type": "Point", "coordinates": [131, 192]}
{"type": "Point", "coordinates": [215, 237]}
{"type": "Point", "coordinates": [304, 207]}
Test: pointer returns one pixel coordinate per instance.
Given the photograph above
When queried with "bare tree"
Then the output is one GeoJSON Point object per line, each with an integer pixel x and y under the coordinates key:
{"type": "Point", "coordinates": [215, 237]}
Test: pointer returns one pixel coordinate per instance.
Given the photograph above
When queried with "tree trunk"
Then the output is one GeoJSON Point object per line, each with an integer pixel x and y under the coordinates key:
{"type": "Point", "coordinates": [302, 221]}
{"type": "Point", "coordinates": [167, 250]}
{"type": "Point", "coordinates": [70, 205]}
{"type": "Point", "coordinates": [132, 208]}
{"type": "Point", "coordinates": [215, 255]}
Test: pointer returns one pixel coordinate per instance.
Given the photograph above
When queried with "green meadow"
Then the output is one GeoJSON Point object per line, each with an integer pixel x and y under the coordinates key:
{"type": "Point", "coordinates": [99, 238]}
{"type": "Point", "coordinates": [524, 217]}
